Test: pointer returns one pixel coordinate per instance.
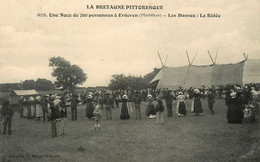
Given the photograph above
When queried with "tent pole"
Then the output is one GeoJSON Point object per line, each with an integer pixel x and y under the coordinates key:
{"type": "Point", "coordinates": [166, 60]}
{"type": "Point", "coordinates": [216, 56]}
{"type": "Point", "coordinates": [194, 57]}
{"type": "Point", "coordinates": [160, 59]}
{"type": "Point", "coordinates": [211, 58]}
{"type": "Point", "coordinates": [245, 56]}
{"type": "Point", "coordinates": [188, 57]}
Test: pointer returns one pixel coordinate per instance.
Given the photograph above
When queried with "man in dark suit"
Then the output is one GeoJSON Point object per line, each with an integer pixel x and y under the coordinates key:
{"type": "Point", "coordinates": [7, 113]}
{"type": "Point", "coordinates": [169, 99]}
{"type": "Point", "coordinates": [74, 102]}
{"type": "Point", "coordinates": [211, 100]}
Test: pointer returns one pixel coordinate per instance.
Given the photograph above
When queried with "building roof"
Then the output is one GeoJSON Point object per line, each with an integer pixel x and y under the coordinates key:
{"type": "Point", "coordinates": [25, 92]}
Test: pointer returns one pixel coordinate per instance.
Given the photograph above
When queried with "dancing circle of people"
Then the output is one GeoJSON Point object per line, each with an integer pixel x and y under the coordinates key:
{"type": "Point", "coordinates": [53, 108]}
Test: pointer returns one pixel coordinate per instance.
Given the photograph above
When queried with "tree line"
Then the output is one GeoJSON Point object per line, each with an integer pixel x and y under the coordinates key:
{"type": "Point", "coordinates": [40, 85]}
{"type": "Point", "coordinates": [69, 76]}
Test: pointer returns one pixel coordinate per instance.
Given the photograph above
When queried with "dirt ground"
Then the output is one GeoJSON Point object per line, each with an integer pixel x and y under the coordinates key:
{"type": "Point", "coordinates": [191, 138]}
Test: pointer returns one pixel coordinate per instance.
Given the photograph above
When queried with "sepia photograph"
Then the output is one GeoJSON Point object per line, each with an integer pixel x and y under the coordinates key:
{"type": "Point", "coordinates": [129, 81]}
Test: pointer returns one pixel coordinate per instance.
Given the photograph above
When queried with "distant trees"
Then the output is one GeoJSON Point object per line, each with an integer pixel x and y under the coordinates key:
{"type": "Point", "coordinates": [122, 82]}
{"type": "Point", "coordinates": [67, 75]}
{"type": "Point", "coordinates": [39, 85]}
{"type": "Point", "coordinates": [7, 87]}
{"type": "Point", "coordinates": [44, 85]}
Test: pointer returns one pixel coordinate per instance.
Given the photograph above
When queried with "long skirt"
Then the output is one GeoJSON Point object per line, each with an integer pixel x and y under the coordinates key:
{"type": "Point", "coordinates": [124, 114]}
{"type": "Point", "coordinates": [24, 111]}
{"type": "Point", "coordinates": [234, 114]}
{"type": "Point", "coordinates": [196, 107]}
{"type": "Point", "coordinates": [89, 110]}
{"type": "Point", "coordinates": [182, 108]}
{"type": "Point", "coordinates": [33, 111]}
{"type": "Point", "coordinates": [28, 112]}
{"type": "Point", "coordinates": [38, 111]}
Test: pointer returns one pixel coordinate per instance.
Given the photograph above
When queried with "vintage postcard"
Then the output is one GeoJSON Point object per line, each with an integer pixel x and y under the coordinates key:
{"type": "Point", "coordinates": [124, 76]}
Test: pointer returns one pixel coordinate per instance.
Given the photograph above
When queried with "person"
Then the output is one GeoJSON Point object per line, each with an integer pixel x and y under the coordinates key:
{"type": "Point", "coordinates": [25, 105]}
{"type": "Point", "coordinates": [89, 107]}
{"type": "Point", "coordinates": [38, 110]}
{"type": "Point", "coordinates": [7, 113]}
{"type": "Point", "coordinates": [137, 104]}
{"type": "Point", "coordinates": [181, 106]}
{"type": "Point", "coordinates": [159, 112]}
{"type": "Point", "coordinates": [21, 106]}
{"type": "Point", "coordinates": [54, 106]}
{"type": "Point", "coordinates": [97, 117]}
{"type": "Point", "coordinates": [108, 106]}
{"type": "Point", "coordinates": [74, 103]}
{"type": "Point", "coordinates": [234, 112]}
{"type": "Point", "coordinates": [33, 107]}
{"type": "Point", "coordinates": [124, 113]}
{"type": "Point", "coordinates": [130, 103]}
{"type": "Point", "coordinates": [150, 109]}
{"type": "Point", "coordinates": [63, 116]}
{"type": "Point", "coordinates": [44, 104]}
{"type": "Point", "coordinates": [117, 100]}
{"type": "Point", "coordinates": [169, 99]}
{"type": "Point", "coordinates": [211, 101]}
{"type": "Point", "coordinates": [196, 106]}
{"type": "Point", "coordinates": [29, 107]}
{"type": "Point", "coordinates": [254, 97]}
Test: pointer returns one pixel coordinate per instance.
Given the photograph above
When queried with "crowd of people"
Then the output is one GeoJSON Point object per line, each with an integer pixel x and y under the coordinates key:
{"type": "Point", "coordinates": [54, 107]}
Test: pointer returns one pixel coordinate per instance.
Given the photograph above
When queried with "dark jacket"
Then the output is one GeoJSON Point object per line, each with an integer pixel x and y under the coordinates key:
{"type": "Point", "coordinates": [159, 107]}
{"type": "Point", "coordinates": [63, 113]}
{"type": "Point", "coordinates": [44, 102]}
{"type": "Point", "coordinates": [7, 111]}
{"type": "Point", "coordinates": [137, 99]}
{"type": "Point", "coordinates": [211, 97]}
{"type": "Point", "coordinates": [74, 102]}
{"type": "Point", "coordinates": [54, 112]}
{"type": "Point", "coordinates": [169, 98]}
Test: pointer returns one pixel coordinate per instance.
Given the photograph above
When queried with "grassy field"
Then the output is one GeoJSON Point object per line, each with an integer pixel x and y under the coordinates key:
{"type": "Point", "coordinates": [191, 138]}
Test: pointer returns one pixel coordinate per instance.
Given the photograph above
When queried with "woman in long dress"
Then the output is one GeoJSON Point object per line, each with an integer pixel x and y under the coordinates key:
{"type": "Point", "coordinates": [235, 112]}
{"type": "Point", "coordinates": [124, 113]}
{"type": "Point", "coordinates": [196, 106]}
{"type": "Point", "coordinates": [38, 109]}
{"type": "Point", "coordinates": [89, 107]}
{"type": "Point", "coordinates": [181, 107]}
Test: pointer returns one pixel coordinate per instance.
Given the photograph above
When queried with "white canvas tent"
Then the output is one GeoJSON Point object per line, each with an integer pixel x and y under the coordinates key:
{"type": "Point", "coordinates": [245, 72]}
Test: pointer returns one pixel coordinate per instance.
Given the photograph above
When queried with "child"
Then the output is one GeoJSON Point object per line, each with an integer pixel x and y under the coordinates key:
{"type": "Point", "coordinates": [159, 112]}
{"type": "Point", "coordinates": [97, 117]}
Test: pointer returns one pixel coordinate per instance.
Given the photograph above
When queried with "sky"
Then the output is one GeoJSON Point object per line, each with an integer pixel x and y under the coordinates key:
{"type": "Point", "coordinates": [106, 46]}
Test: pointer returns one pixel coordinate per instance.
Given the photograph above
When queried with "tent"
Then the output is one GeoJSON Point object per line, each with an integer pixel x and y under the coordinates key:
{"type": "Point", "coordinates": [16, 94]}
{"type": "Point", "coordinates": [244, 72]}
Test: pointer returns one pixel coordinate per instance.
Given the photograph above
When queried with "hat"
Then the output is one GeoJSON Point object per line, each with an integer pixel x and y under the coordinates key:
{"type": "Point", "coordinates": [31, 98]}
{"type": "Point", "coordinates": [38, 98]}
{"type": "Point", "coordinates": [197, 91]}
{"type": "Point", "coordinates": [180, 93]}
{"type": "Point", "coordinates": [124, 96]}
{"type": "Point", "coordinates": [150, 96]}
{"type": "Point", "coordinates": [233, 95]}
{"type": "Point", "coordinates": [90, 96]}
{"type": "Point", "coordinates": [56, 102]}
{"type": "Point", "coordinates": [97, 106]}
